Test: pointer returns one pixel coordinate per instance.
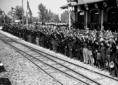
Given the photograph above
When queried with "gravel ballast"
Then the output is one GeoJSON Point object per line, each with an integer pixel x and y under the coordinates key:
{"type": "Point", "coordinates": [20, 71]}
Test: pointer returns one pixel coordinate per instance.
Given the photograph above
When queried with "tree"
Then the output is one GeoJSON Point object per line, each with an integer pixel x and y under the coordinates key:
{"type": "Point", "coordinates": [7, 19]}
{"type": "Point", "coordinates": [65, 17]}
{"type": "Point", "coordinates": [35, 19]}
{"type": "Point", "coordinates": [1, 11]}
{"type": "Point", "coordinates": [19, 12]}
{"type": "Point", "coordinates": [3, 17]}
{"type": "Point", "coordinates": [56, 18]}
{"type": "Point", "coordinates": [43, 13]}
{"type": "Point", "coordinates": [16, 13]}
{"type": "Point", "coordinates": [10, 14]}
{"type": "Point", "coordinates": [46, 15]}
{"type": "Point", "coordinates": [53, 17]}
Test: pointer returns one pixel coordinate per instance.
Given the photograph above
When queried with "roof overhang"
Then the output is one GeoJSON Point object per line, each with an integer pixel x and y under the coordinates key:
{"type": "Point", "coordinates": [70, 4]}
{"type": "Point", "coordinates": [80, 2]}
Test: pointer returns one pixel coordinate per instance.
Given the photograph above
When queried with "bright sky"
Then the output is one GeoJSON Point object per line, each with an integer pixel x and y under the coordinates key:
{"type": "Point", "coordinates": [53, 5]}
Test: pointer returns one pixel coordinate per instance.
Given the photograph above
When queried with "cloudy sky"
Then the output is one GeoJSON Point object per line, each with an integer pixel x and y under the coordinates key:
{"type": "Point", "coordinates": [53, 5]}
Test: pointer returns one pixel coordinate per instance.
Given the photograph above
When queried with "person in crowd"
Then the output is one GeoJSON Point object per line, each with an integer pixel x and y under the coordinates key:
{"type": "Point", "coordinates": [85, 54]}
{"type": "Point", "coordinates": [90, 56]}
{"type": "Point", "coordinates": [102, 51]}
{"type": "Point", "coordinates": [108, 55]}
{"type": "Point", "coordinates": [114, 63]}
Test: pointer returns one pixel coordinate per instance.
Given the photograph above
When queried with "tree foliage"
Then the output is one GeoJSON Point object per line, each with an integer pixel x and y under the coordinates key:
{"type": "Point", "coordinates": [1, 11]}
{"type": "Point", "coordinates": [19, 12]}
{"type": "Point", "coordinates": [46, 15]}
{"type": "Point", "coordinates": [53, 17]}
{"type": "Point", "coordinates": [16, 12]}
{"type": "Point", "coordinates": [3, 18]}
{"type": "Point", "coordinates": [65, 17]}
{"type": "Point", "coordinates": [43, 13]}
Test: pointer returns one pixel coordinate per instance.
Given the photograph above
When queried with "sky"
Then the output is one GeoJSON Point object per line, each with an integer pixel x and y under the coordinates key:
{"type": "Point", "coordinates": [53, 5]}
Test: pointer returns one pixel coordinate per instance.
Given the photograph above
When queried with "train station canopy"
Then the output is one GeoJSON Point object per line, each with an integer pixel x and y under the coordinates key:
{"type": "Point", "coordinates": [87, 1]}
{"type": "Point", "coordinates": [80, 2]}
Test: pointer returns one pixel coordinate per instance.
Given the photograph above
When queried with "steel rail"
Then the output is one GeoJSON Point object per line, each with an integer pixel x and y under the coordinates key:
{"type": "Point", "coordinates": [75, 64]}
{"type": "Point", "coordinates": [65, 66]}
{"type": "Point", "coordinates": [69, 69]}
{"type": "Point", "coordinates": [33, 62]}
{"type": "Point", "coordinates": [46, 64]}
{"type": "Point", "coordinates": [69, 62]}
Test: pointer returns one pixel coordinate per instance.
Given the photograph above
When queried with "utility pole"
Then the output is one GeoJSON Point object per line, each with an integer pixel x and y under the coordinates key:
{"type": "Point", "coordinates": [12, 14]}
{"type": "Point", "coordinates": [4, 17]}
{"type": "Point", "coordinates": [22, 12]}
{"type": "Point", "coordinates": [27, 21]}
{"type": "Point", "coordinates": [69, 11]}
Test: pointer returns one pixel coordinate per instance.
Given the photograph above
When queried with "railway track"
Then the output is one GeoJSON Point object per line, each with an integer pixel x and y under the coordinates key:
{"type": "Point", "coordinates": [50, 66]}
{"type": "Point", "coordinates": [47, 62]}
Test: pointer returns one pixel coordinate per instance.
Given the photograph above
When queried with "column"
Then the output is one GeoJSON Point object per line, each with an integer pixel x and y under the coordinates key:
{"type": "Point", "coordinates": [86, 19]}
{"type": "Point", "coordinates": [69, 12]}
{"type": "Point", "coordinates": [76, 13]}
{"type": "Point", "coordinates": [22, 13]}
{"type": "Point", "coordinates": [102, 19]}
{"type": "Point", "coordinates": [89, 17]}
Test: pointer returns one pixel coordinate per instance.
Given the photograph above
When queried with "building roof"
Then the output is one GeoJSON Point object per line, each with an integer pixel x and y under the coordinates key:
{"type": "Point", "coordinates": [69, 4]}
{"type": "Point", "coordinates": [87, 1]}
{"type": "Point", "coordinates": [80, 2]}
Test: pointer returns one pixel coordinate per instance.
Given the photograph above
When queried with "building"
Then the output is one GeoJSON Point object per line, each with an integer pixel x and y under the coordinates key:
{"type": "Point", "coordinates": [1, 17]}
{"type": "Point", "coordinates": [97, 14]}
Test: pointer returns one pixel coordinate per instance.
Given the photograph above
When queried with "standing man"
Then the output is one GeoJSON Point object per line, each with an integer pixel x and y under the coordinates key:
{"type": "Point", "coordinates": [85, 54]}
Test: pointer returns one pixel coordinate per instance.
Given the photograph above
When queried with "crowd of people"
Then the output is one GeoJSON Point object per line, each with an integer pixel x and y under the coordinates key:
{"type": "Point", "coordinates": [97, 48]}
{"type": "Point", "coordinates": [107, 26]}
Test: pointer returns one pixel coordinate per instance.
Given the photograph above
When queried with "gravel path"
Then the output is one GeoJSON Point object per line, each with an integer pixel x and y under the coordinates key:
{"type": "Point", "coordinates": [20, 71]}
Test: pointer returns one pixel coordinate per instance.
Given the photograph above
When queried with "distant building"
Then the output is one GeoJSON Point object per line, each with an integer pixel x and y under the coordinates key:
{"type": "Point", "coordinates": [89, 12]}
{"type": "Point", "coordinates": [1, 17]}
